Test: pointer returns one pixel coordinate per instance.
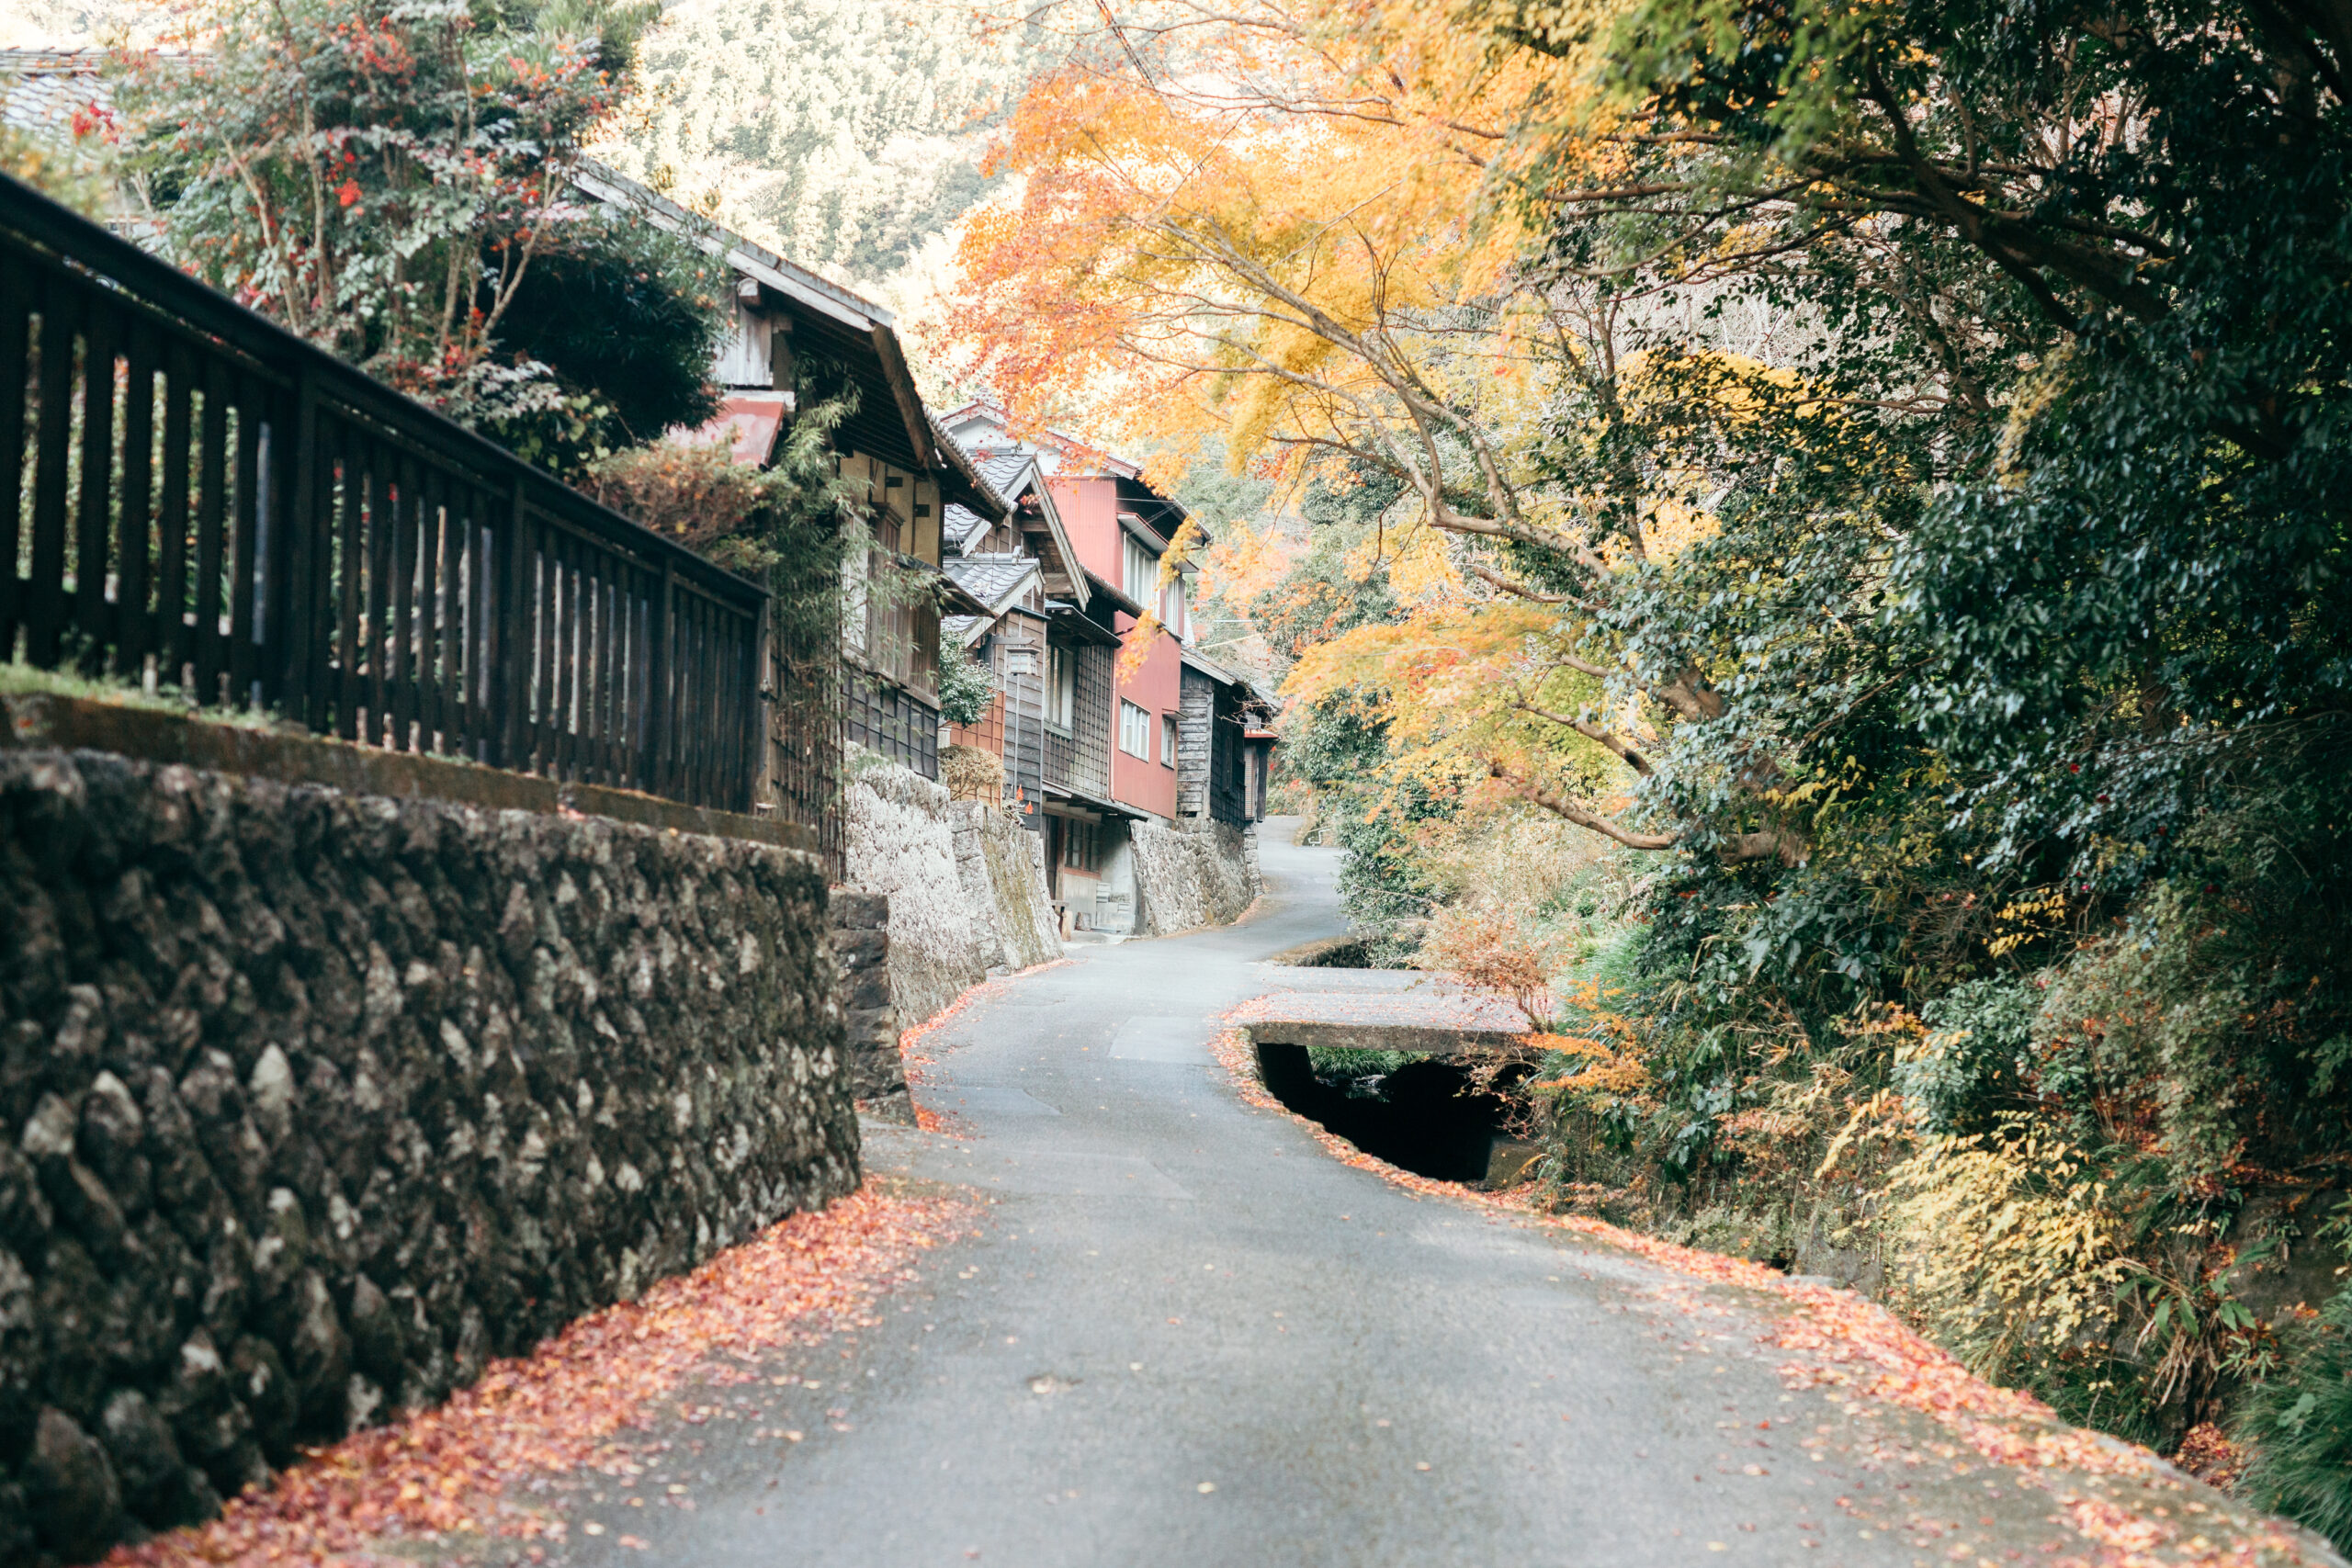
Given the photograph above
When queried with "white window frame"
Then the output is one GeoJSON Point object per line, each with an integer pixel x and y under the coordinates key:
{"type": "Point", "coordinates": [1168, 741]}
{"type": "Point", "coordinates": [1173, 609]}
{"type": "Point", "coordinates": [1134, 730]}
{"type": "Point", "coordinates": [1141, 569]}
{"type": "Point", "coordinates": [1061, 686]}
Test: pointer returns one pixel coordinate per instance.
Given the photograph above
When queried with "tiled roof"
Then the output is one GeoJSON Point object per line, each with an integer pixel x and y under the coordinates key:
{"type": "Point", "coordinates": [42, 89]}
{"type": "Point", "coordinates": [609, 184]}
{"type": "Point", "coordinates": [990, 579]}
{"type": "Point", "coordinates": [1083, 459]}
{"type": "Point", "coordinates": [961, 525]}
{"type": "Point", "coordinates": [1003, 470]}
{"type": "Point", "coordinates": [951, 453]}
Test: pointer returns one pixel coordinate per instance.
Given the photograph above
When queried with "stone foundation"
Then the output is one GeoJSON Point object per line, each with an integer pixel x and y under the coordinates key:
{"type": "Point", "coordinates": [1003, 867]}
{"type": "Point", "coordinates": [966, 886]}
{"type": "Point", "coordinates": [1193, 874]}
{"type": "Point", "coordinates": [902, 844]}
{"type": "Point", "coordinates": [313, 1102]}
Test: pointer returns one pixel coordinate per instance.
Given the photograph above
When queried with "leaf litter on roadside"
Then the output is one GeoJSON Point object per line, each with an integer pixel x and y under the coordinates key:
{"type": "Point", "coordinates": [458, 1468]}
{"type": "Point", "coordinates": [1850, 1343]}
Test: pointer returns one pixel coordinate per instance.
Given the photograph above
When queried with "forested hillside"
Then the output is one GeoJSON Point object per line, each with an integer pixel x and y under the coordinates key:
{"type": "Point", "coordinates": [844, 133]}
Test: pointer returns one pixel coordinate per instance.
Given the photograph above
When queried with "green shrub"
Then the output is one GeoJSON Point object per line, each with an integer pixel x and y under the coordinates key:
{"type": "Point", "coordinates": [965, 687]}
{"type": "Point", "coordinates": [1970, 1066]}
{"type": "Point", "coordinates": [2299, 1427]}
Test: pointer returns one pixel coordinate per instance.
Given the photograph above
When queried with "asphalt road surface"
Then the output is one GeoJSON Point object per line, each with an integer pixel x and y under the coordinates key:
{"type": "Point", "coordinates": [1188, 1337]}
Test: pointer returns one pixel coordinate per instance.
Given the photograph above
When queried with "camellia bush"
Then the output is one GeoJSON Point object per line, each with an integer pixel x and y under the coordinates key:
{"type": "Point", "coordinates": [392, 182]}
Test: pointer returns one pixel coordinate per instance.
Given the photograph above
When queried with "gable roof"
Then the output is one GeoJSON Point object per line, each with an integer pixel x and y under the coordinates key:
{"type": "Point", "coordinates": [986, 428]}
{"type": "Point", "coordinates": [891, 421]}
{"type": "Point", "coordinates": [959, 526]}
{"type": "Point", "coordinates": [42, 89]}
{"type": "Point", "coordinates": [747, 425]}
{"type": "Point", "coordinates": [1064, 447]}
{"type": "Point", "coordinates": [1251, 698]}
{"type": "Point", "coordinates": [1017, 476]}
{"type": "Point", "coordinates": [994, 580]}
{"type": "Point", "coordinates": [1002, 467]}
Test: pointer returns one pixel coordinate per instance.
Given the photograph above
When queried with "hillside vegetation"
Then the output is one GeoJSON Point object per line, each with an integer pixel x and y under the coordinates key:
{"type": "Point", "coordinates": [845, 134]}
{"type": "Point", "coordinates": [1861, 499]}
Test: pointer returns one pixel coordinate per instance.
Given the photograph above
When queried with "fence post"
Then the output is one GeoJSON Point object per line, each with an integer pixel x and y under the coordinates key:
{"type": "Point", "coordinates": [764, 700]}
{"type": "Point", "coordinates": [657, 706]}
{"type": "Point", "coordinates": [506, 671]}
{"type": "Point", "coordinates": [291, 622]}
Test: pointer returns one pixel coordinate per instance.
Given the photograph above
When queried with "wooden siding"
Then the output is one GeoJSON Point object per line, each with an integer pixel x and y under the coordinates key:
{"type": "Point", "coordinates": [1021, 670]}
{"type": "Point", "coordinates": [987, 735]}
{"type": "Point", "coordinates": [1195, 725]}
{"type": "Point", "coordinates": [1090, 763]}
{"type": "Point", "coordinates": [1212, 776]}
{"type": "Point", "coordinates": [889, 719]}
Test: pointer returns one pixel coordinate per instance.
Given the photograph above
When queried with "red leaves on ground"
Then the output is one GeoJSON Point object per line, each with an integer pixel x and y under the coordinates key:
{"type": "Point", "coordinates": [558, 1408]}
{"type": "Point", "coordinates": [1850, 1343]}
{"type": "Point", "coordinates": [912, 1042]}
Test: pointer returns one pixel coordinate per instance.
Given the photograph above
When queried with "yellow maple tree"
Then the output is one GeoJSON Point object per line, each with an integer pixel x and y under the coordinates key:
{"type": "Point", "coordinates": [1297, 228]}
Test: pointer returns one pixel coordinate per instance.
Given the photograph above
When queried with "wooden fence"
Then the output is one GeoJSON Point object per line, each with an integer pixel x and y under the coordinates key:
{"type": "Point", "coordinates": [193, 496]}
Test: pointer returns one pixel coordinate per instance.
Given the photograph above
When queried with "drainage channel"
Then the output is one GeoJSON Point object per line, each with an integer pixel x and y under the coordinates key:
{"type": "Point", "coordinates": [1418, 1112]}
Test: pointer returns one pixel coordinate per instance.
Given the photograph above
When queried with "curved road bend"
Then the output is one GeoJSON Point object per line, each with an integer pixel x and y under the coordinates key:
{"type": "Point", "coordinates": [1174, 1292]}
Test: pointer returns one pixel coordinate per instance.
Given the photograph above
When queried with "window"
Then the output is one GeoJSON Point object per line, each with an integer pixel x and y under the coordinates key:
{"type": "Point", "coordinates": [1142, 575]}
{"type": "Point", "coordinates": [1171, 605]}
{"type": "Point", "coordinates": [1134, 730]}
{"type": "Point", "coordinates": [1061, 686]}
{"type": "Point", "coordinates": [1082, 845]}
{"type": "Point", "coordinates": [1168, 739]}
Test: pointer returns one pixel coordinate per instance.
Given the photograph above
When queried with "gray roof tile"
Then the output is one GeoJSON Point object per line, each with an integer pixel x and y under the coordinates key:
{"type": "Point", "coordinates": [991, 578]}
{"type": "Point", "coordinates": [961, 525]}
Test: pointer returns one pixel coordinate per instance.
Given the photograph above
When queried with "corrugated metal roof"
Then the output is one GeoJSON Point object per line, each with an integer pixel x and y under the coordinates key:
{"type": "Point", "coordinates": [747, 425]}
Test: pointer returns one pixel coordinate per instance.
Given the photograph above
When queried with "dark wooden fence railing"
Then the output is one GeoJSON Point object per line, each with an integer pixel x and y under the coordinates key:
{"type": "Point", "coordinates": [191, 495]}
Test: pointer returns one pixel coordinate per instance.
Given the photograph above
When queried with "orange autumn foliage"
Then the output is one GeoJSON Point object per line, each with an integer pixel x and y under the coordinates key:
{"type": "Point", "coordinates": [1274, 230]}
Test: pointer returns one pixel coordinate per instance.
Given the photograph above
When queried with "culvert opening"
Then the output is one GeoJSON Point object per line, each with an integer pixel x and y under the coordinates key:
{"type": "Point", "coordinates": [1419, 1112]}
{"type": "Point", "coordinates": [1327, 953]}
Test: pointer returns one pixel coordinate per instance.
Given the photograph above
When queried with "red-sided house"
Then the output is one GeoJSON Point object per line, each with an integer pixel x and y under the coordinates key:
{"type": "Point", "coordinates": [1178, 724]}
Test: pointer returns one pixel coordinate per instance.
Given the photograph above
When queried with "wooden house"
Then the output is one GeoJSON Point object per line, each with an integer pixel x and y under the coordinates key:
{"type": "Point", "coordinates": [1181, 738]}
{"type": "Point", "coordinates": [906, 472]}
{"type": "Point", "coordinates": [1050, 645]}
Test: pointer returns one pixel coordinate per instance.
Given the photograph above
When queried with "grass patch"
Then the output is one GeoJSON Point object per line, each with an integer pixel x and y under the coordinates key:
{"type": "Point", "coordinates": [19, 678]}
{"type": "Point", "coordinates": [1334, 1062]}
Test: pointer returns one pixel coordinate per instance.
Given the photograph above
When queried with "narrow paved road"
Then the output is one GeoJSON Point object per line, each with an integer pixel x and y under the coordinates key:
{"type": "Point", "coordinates": [1187, 1338]}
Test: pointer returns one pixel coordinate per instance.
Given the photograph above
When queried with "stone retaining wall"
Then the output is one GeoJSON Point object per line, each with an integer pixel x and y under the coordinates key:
{"type": "Point", "coordinates": [966, 884]}
{"type": "Point", "coordinates": [1194, 873]}
{"type": "Point", "coordinates": [1003, 867]}
{"type": "Point", "coordinates": [313, 1102]}
{"type": "Point", "coordinates": [902, 844]}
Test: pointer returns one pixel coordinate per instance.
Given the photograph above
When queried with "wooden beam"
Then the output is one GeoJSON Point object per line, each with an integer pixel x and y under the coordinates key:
{"type": "Point", "coordinates": [902, 389]}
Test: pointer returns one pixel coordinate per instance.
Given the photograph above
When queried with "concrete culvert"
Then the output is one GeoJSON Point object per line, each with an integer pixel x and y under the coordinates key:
{"type": "Point", "coordinates": [1421, 1114]}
